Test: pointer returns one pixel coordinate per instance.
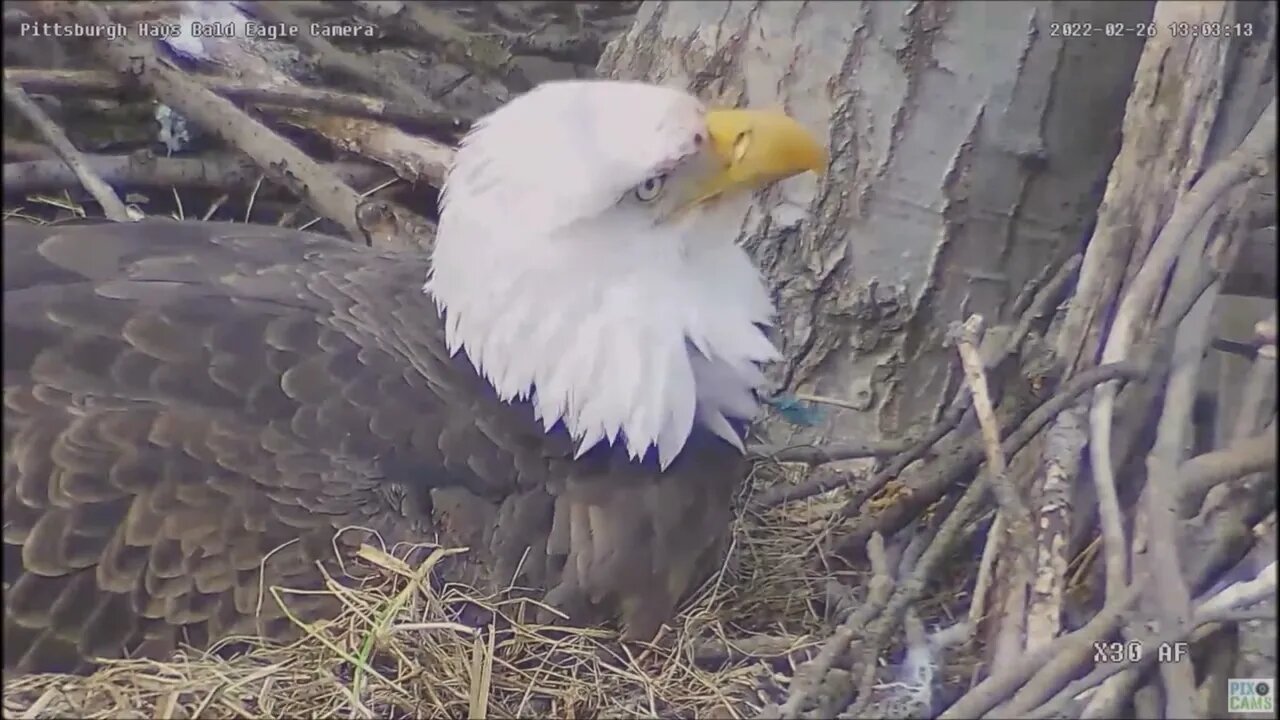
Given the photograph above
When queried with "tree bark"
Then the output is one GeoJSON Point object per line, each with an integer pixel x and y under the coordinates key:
{"type": "Point", "coordinates": [970, 144]}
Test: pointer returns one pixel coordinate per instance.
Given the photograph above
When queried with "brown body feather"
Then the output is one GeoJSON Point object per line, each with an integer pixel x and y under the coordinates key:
{"type": "Point", "coordinates": [181, 400]}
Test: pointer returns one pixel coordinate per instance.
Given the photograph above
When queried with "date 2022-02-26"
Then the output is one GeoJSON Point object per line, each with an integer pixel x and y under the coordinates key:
{"type": "Point", "coordinates": [1148, 29]}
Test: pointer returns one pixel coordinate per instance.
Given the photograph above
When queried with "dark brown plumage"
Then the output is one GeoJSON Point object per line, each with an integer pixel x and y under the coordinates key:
{"type": "Point", "coordinates": [182, 399]}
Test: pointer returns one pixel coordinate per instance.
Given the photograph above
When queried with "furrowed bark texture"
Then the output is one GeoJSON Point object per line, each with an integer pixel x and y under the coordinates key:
{"type": "Point", "coordinates": [970, 144]}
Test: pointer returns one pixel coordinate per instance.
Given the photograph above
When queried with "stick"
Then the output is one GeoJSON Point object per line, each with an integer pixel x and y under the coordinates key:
{"type": "Point", "coordinates": [1243, 162]}
{"type": "Point", "coordinates": [1064, 441]}
{"type": "Point", "coordinates": [360, 69]}
{"type": "Point", "coordinates": [1039, 306]}
{"type": "Point", "coordinates": [219, 171]}
{"type": "Point", "coordinates": [810, 676]}
{"type": "Point", "coordinates": [929, 491]}
{"type": "Point", "coordinates": [49, 130]}
{"type": "Point", "coordinates": [1012, 513]}
{"type": "Point", "coordinates": [1036, 666]}
{"type": "Point", "coordinates": [1224, 607]}
{"type": "Point", "coordinates": [279, 159]}
{"type": "Point", "coordinates": [1201, 473]}
{"type": "Point", "coordinates": [110, 84]}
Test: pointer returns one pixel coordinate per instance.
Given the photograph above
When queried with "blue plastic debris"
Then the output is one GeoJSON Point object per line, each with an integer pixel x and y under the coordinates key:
{"type": "Point", "coordinates": [797, 411]}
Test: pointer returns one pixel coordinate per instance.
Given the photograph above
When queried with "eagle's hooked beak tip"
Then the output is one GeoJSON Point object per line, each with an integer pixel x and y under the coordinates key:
{"type": "Point", "coordinates": [757, 147]}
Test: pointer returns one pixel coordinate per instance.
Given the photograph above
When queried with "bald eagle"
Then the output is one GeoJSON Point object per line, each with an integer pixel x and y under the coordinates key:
{"type": "Point", "coordinates": [194, 410]}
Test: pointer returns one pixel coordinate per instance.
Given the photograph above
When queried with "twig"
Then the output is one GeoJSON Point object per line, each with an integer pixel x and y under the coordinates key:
{"type": "Point", "coordinates": [986, 573]}
{"type": "Point", "coordinates": [1245, 160]}
{"type": "Point", "coordinates": [112, 207]}
{"type": "Point", "coordinates": [828, 400]}
{"type": "Point", "coordinates": [1257, 401]}
{"type": "Point", "coordinates": [1201, 473]}
{"type": "Point", "coordinates": [950, 420]}
{"type": "Point", "coordinates": [826, 480]}
{"type": "Point", "coordinates": [414, 158]}
{"type": "Point", "coordinates": [928, 492]}
{"type": "Point", "coordinates": [582, 48]}
{"type": "Point", "coordinates": [819, 481]}
{"type": "Point", "coordinates": [1064, 441]}
{"type": "Point", "coordinates": [905, 451]}
{"type": "Point", "coordinates": [1140, 396]}
{"type": "Point", "coordinates": [1243, 594]}
{"type": "Point", "coordinates": [955, 521]}
{"type": "Point", "coordinates": [362, 70]}
{"type": "Point", "coordinates": [1012, 512]}
{"type": "Point", "coordinates": [1038, 307]}
{"type": "Point", "coordinates": [810, 676]}
{"type": "Point", "coordinates": [822, 453]}
{"type": "Point", "coordinates": [967, 346]}
{"type": "Point", "coordinates": [1167, 599]}
{"type": "Point", "coordinates": [878, 634]}
{"type": "Point", "coordinates": [104, 83]}
{"type": "Point", "coordinates": [283, 163]}
{"type": "Point", "coordinates": [222, 171]}
{"type": "Point", "coordinates": [716, 653]}
{"type": "Point", "coordinates": [1041, 663]}
{"type": "Point", "coordinates": [1224, 607]}
{"type": "Point", "coordinates": [1044, 301]}
{"type": "Point", "coordinates": [431, 27]}
{"type": "Point", "coordinates": [17, 150]}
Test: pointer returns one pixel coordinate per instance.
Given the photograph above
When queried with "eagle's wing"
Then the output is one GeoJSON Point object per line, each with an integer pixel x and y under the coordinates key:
{"type": "Point", "coordinates": [193, 409]}
{"type": "Point", "coordinates": [180, 403]}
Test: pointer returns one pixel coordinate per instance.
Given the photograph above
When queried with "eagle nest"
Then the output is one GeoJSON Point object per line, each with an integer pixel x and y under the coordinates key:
{"type": "Point", "coordinates": [399, 650]}
{"type": "Point", "coordinates": [806, 609]}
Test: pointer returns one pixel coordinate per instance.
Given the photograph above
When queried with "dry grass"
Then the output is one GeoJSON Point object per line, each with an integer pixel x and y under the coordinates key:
{"type": "Point", "coordinates": [398, 651]}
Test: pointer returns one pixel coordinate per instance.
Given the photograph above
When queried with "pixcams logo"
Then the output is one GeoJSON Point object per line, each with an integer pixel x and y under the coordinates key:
{"type": "Point", "coordinates": [1251, 695]}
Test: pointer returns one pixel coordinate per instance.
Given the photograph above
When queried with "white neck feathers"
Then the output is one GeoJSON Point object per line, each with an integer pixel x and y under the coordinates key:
{"type": "Point", "coordinates": [623, 328]}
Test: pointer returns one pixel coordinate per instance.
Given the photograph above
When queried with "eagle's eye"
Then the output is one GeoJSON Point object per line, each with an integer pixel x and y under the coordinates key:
{"type": "Point", "coordinates": [650, 189]}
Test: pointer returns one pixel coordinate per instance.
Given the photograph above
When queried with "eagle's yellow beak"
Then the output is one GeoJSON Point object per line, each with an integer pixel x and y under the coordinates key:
{"type": "Point", "coordinates": [757, 147]}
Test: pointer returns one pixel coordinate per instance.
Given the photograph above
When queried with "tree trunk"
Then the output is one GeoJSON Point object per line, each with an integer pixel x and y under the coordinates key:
{"type": "Point", "coordinates": [970, 144]}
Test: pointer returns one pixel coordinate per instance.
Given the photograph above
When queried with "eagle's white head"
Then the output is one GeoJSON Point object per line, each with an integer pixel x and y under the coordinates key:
{"type": "Point", "coordinates": [586, 258]}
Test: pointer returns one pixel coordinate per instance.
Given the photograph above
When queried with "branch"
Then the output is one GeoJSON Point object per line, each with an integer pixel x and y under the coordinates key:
{"type": "Point", "coordinates": [1045, 301]}
{"type": "Point", "coordinates": [1258, 398]}
{"type": "Point", "coordinates": [112, 207]}
{"type": "Point", "coordinates": [1064, 441]}
{"type": "Point", "coordinates": [362, 70]}
{"type": "Point", "coordinates": [953, 525]}
{"type": "Point", "coordinates": [17, 150]}
{"type": "Point", "coordinates": [906, 450]}
{"type": "Point", "coordinates": [809, 677]}
{"type": "Point", "coordinates": [819, 481]}
{"type": "Point", "coordinates": [1040, 305]}
{"type": "Point", "coordinates": [879, 633]}
{"type": "Point", "coordinates": [940, 481]}
{"type": "Point", "coordinates": [1226, 609]}
{"type": "Point", "coordinates": [822, 453]}
{"type": "Point", "coordinates": [581, 48]}
{"type": "Point", "coordinates": [110, 84]}
{"type": "Point", "coordinates": [222, 171]}
{"type": "Point", "coordinates": [959, 406]}
{"type": "Point", "coordinates": [1012, 511]}
{"type": "Point", "coordinates": [1254, 272]}
{"type": "Point", "coordinates": [1040, 671]}
{"type": "Point", "coordinates": [1200, 474]}
{"type": "Point", "coordinates": [420, 22]}
{"type": "Point", "coordinates": [280, 160]}
{"type": "Point", "coordinates": [1243, 162]}
{"type": "Point", "coordinates": [967, 345]}
{"type": "Point", "coordinates": [1167, 599]}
